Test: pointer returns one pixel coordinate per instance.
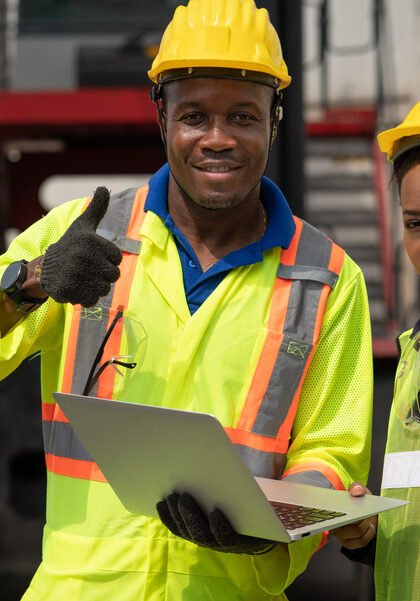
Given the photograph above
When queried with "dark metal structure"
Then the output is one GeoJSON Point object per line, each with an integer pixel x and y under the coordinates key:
{"type": "Point", "coordinates": [286, 163]}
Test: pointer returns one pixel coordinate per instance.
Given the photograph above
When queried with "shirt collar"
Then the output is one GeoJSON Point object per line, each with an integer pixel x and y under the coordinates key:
{"type": "Point", "coordinates": [281, 226]}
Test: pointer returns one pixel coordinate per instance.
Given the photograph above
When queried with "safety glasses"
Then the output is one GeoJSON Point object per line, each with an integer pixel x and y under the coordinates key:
{"type": "Point", "coordinates": [407, 386]}
{"type": "Point", "coordinates": [131, 338]}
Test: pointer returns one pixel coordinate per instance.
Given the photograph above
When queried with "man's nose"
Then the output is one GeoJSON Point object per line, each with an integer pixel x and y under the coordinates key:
{"type": "Point", "coordinates": [218, 137]}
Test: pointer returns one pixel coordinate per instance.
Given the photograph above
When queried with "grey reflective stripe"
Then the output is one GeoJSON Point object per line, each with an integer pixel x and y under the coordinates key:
{"type": "Point", "coordinates": [310, 477]}
{"type": "Point", "coordinates": [261, 463]}
{"type": "Point", "coordinates": [94, 321]}
{"type": "Point", "coordinates": [60, 440]}
{"type": "Point", "coordinates": [314, 251]}
{"type": "Point", "coordinates": [126, 244]}
{"type": "Point", "coordinates": [118, 216]}
{"type": "Point", "coordinates": [92, 329]}
{"type": "Point", "coordinates": [303, 272]}
{"type": "Point", "coordinates": [115, 224]}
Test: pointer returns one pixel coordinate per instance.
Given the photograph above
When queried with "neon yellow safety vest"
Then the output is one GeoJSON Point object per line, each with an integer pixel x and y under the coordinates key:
{"type": "Point", "coordinates": [270, 391]}
{"type": "Point", "coordinates": [397, 561]}
{"type": "Point", "coordinates": [93, 549]}
{"type": "Point", "coordinates": [308, 271]}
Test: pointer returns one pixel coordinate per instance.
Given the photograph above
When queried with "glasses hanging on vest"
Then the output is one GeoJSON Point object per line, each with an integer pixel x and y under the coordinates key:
{"type": "Point", "coordinates": [407, 385]}
{"type": "Point", "coordinates": [121, 348]}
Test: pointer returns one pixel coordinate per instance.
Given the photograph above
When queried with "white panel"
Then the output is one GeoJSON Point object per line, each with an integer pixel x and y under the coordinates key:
{"type": "Point", "coordinates": [401, 470]}
{"type": "Point", "coordinates": [59, 188]}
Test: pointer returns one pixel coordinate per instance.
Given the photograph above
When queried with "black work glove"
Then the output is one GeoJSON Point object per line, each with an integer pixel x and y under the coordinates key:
{"type": "Point", "coordinates": [182, 515]}
{"type": "Point", "coordinates": [81, 266]}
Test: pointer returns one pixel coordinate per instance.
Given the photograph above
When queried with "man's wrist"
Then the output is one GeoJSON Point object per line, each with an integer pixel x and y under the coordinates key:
{"type": "Point", "coordinates": [21, 283]}
{"type": "Point", "coordinates": [32, 284]}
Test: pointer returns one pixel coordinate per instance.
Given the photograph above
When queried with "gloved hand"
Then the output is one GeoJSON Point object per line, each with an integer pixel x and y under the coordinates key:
{"type": "Point", "coordinates": [82, 265]}
{"type": "Point", "coordinates": [182, 515]}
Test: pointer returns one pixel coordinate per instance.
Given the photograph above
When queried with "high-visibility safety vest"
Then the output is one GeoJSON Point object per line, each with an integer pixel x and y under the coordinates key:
{"type": "Point", "coordinates": [266, 319]}
{"type": "Point", "coordinates": [397, 561]}
{"type": "Point", "coordinates": [308, 271]}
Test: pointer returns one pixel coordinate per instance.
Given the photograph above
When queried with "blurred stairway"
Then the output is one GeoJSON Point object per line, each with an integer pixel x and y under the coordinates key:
{"type": "Point", "coordinates": [346, 197]}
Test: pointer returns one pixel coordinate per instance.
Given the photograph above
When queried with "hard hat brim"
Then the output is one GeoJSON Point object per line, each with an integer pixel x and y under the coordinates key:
{"type": "Point", "coordinates": [388, 139]}
{"type": "Point", "coordinates": [283, 80]}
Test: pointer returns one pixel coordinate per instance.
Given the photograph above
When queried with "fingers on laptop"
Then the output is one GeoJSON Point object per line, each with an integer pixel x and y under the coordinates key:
{"type": "Point", "coordinates": [356, 489]}
{"type": "Point", "coordinates": [357, 535]}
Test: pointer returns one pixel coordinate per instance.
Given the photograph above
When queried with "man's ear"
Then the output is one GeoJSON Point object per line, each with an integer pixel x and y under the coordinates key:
{"type": "Point", "coordinates": [161, 121]}
{"type": "Point", "coordinates": [277, 117]}
{"type": "Point", "coordinates": [156, 95]}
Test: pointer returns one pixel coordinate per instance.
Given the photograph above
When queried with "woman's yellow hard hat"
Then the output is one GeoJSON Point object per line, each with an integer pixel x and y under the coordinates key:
{"type": "Point", "coordinates": [221, 34]}
{"type": "Point", "coordinates": [406, 135]}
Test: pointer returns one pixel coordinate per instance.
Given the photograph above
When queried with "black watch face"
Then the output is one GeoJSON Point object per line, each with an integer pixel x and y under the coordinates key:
{"type": "Point", "coordinates": [12, 276]}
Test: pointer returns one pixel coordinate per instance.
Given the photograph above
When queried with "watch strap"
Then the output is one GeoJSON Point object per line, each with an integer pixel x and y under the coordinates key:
{"type": "Point", "coordinates": [25, 303]}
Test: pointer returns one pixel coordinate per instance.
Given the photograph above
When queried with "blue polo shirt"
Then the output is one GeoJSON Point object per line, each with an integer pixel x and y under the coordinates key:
{"type": "Point", "coordinates": [198, 284]}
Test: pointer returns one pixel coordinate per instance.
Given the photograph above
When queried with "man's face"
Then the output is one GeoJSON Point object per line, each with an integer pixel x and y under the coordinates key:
{"type": "Point", "coordinates": [410, 205]}
{"type": "Point", "coordinates": [218, 138]}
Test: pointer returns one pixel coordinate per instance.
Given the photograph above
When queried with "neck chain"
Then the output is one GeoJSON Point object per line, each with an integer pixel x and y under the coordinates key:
{"type": "Point", "coordinates": [263, 214]}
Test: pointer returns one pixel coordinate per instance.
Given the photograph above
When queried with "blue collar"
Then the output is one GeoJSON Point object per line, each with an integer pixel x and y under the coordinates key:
{"type": "Point", "coordinates": [281, 225]}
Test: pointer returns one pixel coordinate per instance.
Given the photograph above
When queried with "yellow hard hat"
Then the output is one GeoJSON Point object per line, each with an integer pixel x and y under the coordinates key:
{"type": "Point", "coordinates": [221, 34]}
{"type": "Point", "coordinates": [406, 135]}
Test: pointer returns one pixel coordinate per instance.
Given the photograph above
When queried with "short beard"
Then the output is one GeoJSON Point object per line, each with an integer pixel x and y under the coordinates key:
{"type": "Point", "coordinates": [213, 204]}
{"type": "Point", "coordinates": [210, 203]}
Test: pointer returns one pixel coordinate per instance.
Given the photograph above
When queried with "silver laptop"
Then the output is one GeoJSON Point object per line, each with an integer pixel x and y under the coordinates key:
{"type": "Point", "coordinates": [147, 452]}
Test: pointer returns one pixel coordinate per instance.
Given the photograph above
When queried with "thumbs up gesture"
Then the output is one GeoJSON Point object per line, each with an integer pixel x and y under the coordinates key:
{"type": "Point", "coordinates": [81, 266]}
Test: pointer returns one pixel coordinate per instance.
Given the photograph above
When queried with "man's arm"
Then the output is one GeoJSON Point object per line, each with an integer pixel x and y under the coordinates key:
{"type": "Point", "coordinates": [78, 268]}
{"type": "Point", "coordinates": [331, 434]}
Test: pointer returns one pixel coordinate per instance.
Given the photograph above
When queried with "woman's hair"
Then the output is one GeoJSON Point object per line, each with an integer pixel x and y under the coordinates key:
{"type": "Point", "coordinates": [404, 163]}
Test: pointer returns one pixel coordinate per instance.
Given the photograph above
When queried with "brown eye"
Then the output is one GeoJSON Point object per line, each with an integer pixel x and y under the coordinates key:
{"type": "Point", "coordinates": [243, 118]}
{"type": "Point", "coordinates": [192, 118]}
{"type": "Point", "coordinates": [412, 224]}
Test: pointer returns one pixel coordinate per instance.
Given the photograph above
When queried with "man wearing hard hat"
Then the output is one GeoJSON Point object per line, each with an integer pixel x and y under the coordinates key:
{"type": "Point", "coordinates": [244, 311]}
{"type": "Point", "coordinates": [395, 549]}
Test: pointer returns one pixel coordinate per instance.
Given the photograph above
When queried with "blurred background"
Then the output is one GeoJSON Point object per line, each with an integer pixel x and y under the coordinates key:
{"type": "Point", "coordinates": [75, 114]}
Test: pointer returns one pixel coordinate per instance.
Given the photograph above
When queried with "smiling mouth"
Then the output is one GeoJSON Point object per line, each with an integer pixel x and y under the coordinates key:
{"type": "Point", "coordinates": [217, 169]}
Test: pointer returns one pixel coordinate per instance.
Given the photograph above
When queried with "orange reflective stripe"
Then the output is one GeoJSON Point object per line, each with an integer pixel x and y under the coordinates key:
{"type": "Point", "coordinates": [74, 468]}
{"type": "Point", "coordinates": [270, 351]}
{"type": "Point", "coordinates": [288, 255]}
{"type": "Point", "coordinates": [327, 471]}
{"type": "Point", "coordinates": [72, 342]}
{"type": "Point", "coordinates": [256, 441]}
{"type": "Point", "coordinates": [107, 378]}
{"type": "Point", "coordinates": [271, 404]}
{"type": "Point", "coordinates": [273, 340]}
{"type": "Point", "coordinates": [122, 293]}
{"type": "Point", "coordinates": [335, 265]}
{"type": "Point", "coordinates": [336, 259]}
{"type": "Point", "coordinates": [51, 411]}
{"type": "Point", "coordinates": [71, 350]}
{"type": "Point", "coordinates": [324, 540]}
{"type": "Point", "coordinates": [71, 466]}
{"type": "Point", "coordinates": [268, 355]}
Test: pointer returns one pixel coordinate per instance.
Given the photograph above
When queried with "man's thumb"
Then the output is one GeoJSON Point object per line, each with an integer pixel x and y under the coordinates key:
{"type": "Point", "coordinates": [357, 490]}
{"type": "Point", "coordinates": [97, 207]}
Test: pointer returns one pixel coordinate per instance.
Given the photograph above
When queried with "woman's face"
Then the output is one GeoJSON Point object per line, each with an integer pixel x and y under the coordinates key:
{"type": "Point", "coordinates": [410, 206]}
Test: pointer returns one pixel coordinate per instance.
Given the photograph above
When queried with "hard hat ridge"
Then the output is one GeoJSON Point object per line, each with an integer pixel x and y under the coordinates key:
{"type": "Point", "coordinates": [221, 34]}
{"type": "Point", "coordinates": [403, 137]}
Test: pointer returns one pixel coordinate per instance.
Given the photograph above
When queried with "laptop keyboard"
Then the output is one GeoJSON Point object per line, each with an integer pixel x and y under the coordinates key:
{"type": "Point", "coordinates": [296, 516]}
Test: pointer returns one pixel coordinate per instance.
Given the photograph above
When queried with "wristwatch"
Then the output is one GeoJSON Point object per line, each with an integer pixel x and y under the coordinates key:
{"type": "Point", "coordinates": [11, 283]}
